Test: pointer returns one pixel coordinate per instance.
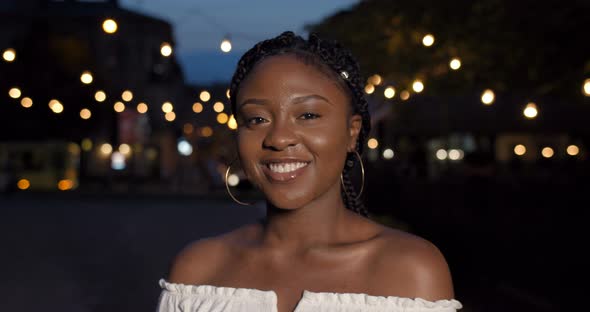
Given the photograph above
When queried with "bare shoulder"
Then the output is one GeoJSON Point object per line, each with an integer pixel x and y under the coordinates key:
{"type": "Point", "coordinates": [200, 260]}
{"type": "Point", "coordinates": [410, 266]}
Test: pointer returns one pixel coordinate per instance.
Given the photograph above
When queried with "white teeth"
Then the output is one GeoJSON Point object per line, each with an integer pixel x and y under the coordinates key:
{"type": "Point", "coordinates": [286, 167]}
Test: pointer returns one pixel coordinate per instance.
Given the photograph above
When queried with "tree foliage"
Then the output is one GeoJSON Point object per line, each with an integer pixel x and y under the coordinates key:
{"type": "Point", "coordinates": [526, 47]}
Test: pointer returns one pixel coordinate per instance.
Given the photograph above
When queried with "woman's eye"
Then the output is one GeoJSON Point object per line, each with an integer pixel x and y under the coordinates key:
{"type": "Point", "coordinates": [309, 116]}
{"type": "Point", "coordinates": [255, 120]}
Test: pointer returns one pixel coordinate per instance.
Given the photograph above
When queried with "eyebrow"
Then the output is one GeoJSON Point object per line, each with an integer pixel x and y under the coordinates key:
{"type": "Point", "coordinates": [296, 100]}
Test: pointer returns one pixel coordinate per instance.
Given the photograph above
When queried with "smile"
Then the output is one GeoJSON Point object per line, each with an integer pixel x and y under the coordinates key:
{"type": "Point", "coordinates": [284, 171]}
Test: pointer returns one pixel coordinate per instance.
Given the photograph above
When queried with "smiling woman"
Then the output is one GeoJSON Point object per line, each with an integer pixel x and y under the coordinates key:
{"type": "Point", "coordinates": [302, 120]}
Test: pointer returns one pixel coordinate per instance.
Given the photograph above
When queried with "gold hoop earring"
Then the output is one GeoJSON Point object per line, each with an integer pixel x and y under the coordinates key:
{"type": "Point", "coordinates": [362, 176]}
{"type": "Point", "coordinates": [229, 192]}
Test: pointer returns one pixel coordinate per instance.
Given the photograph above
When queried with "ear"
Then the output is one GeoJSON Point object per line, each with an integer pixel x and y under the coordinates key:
{"type": "Point", "coordinates": [354, 128]}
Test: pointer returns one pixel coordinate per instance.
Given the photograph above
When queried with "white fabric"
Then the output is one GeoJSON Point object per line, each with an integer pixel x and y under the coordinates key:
{"type": "Point", "coordinates": [206, 298]}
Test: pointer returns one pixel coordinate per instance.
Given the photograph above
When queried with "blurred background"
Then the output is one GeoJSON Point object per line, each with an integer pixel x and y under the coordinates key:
{"type": "Point", "coordinates": [115, 133]}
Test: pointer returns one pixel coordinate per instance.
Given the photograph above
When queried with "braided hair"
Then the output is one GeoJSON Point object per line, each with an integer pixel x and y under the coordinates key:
{"type": "Point", "coordinates": [337, 63]}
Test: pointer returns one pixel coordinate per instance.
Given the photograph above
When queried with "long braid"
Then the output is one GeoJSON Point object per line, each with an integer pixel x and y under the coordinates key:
{"type": "Point", "coordinates": [337, 62]}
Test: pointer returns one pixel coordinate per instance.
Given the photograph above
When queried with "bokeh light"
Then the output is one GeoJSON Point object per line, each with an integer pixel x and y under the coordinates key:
{"type": "Point", "coordinates": [127, 96]}
{"type": "Point", "coordinates": [418, 86]}
{"type": "Point", "coordinates": [586, 88]}
{"type": "Point", "coordinates": [100, 96]}
{"type": "Point", "coordinates": [26, 102]}
{"type": "Point", "coordinates": [487, 97]}
{"type": "Point", "coordinates": [119, 107]}
{"type": "Point", "coordinates": [197, 107]}
{"type": "Point", "coordinates": [441, 154]}
{"type": "Point", "coordinates": [14, 93]}
{"type": "Point", "coordinates": [372, 143]}
{"type": "Point", "coordinates": [573, 150]}
{"type": "Point", "coordinates": [530, 111]}
{"type": "Point", "coordinates": [9, 55]}
{"type": "Point", "coordinates": [109, 26]}
{"type": "Point", "coordinates": [170, 116]}
{"type": "Point", "coordinates": [232, 123]}
{"type": "Point", "coordinates": [86, 77]}
{"type": "Point", "coordinates": [165, 49]}
{"type": "Point", "coordinates": [23, 184]}
{"type": "Point", "coordinates": [205, 96]}
{"type": "Point", "coordinates": [404, 95]}
{"type": "Point", "coordinates": [142, 108]}
{"type": "Point", "coordinates": [65, 185]}
{"type": "Point", "coordinates": [519, 150]}
{"type": "Point", "coordinates": [106, 149]}
{"type": "Point", "coordinates": [547, 152]}
{"type": "Point", "coordinates": [167, 107]}
{"type": "Point", "coordinates": [428, 40]}
{"type": "Point", "coordinates": [225, 45]}
{"type": "Point", "coordinates": [389, 92]}
{"type": "Point", "coordinates": [125, 149]}
{"type": "Point", "coordinates": [369, 88]}
{"type": "Point", "coordinates": [455, 63]}
{"type": "Point", "coordinates": [222, 118]}
{"type": "Point", "coordinates": [218, 107]}
{"type": "Point", "coordinates": [388, 153]}
{"type": "Point", "coordinates": [85, 113]}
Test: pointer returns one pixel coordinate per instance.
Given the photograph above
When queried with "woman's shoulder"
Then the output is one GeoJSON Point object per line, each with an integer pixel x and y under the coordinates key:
{"type": "Point", "coordinates": [414, 261]}
{"type": "Point", "coordinates": [199, 260]}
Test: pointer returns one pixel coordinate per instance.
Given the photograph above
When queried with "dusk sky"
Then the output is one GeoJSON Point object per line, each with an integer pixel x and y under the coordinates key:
{"type": "Point", "coordinates": [200, 26]}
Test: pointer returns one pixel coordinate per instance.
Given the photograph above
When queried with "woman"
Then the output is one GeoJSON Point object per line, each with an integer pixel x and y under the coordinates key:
{"type": "Point", "coordinates": [302, 121]}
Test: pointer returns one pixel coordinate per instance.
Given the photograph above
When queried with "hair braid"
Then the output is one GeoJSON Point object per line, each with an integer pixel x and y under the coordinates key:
{"type": "Point", "coordinates": [334, 60]}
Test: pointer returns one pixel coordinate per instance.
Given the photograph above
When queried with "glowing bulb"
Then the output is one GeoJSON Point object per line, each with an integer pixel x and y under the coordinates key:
{"type": "Point", "coordinates": [225, 45]}
{"type": "Point", "coordinates": [441, 154]}
{"type": "Point", "coordinates": [455, 64]}
{"type": "Point", "coordinates": [573, 150]}
{"type": "Point", "coordinates": [9, 55]}
{"type": "Point", "coordinates": [205, 96]}
{"type": "Point", "coordinates": [428, 40]}
{"type": "Point", "coordinates": [232, 123]}
{"type": "Point", "coordinates": [23, 184]}
{"type": "Point", "coordinates": [369, 89]}
{"type": "Point", "coordinates": [170, 116]}
{"type": "Point", "coordinates": [388, 153]}
{"type": "Point", "coordinates": [547, 152]}
{"type": "Point", "coordinates": [125, 149]}
{"type": "Point", "coordinates": [487, 97]}
{"type": "Point", "coordinates": [109, 26]}
{"type": "Point", "coordinates": [142, 108]}
{"type": "Point", "coordinates": [530, 111]}
{"type": "Point", "coordinates": [197, 107]}
{"type": "Point", "coordinates": [26, 102]}
{"type": "Point", "coordinates": [375, 80]}
{"type": "Point", "coordinates": [57, 108]}
{"type": "Point", "coordinates": [455, 154]}
{"type": "Point", "coordinates": [106, 149]}
{"type": "Point", "coordinates": [167, 107]}
{"type": "Point", "coordinates": [233, 179]}
{"type": "Point", "coordinates": [14, 93]}
{"type": "Point", "coordinates": [65, 184]}
{"type": "Point", "coordinates": [519, 150]}
{"type": "Point", "coordinates": [85, 113]}
{"type": "Point", "coordinates": [86, 77]}
{"type": "Point", "coordinates": [127, 95]}
{"type": "Point", "coordinates": [372, 143]}
{"type": "Point", "coordinates": [222, 118]}
{"type": "Point", "coordinates": [218, 107]}
{"type": "Point", "coordinates": [418, 86]}
{"type": "Point", "coordinates": [119, 107]}
{"type": "Point", "coordinates": [587, 87]}
{"type": "Point", "coordinates": [389, 92]}
{"type": "Point", "coordinates": [404, 95]}
{"type": "Point", "coordinates": [100, 96]}
{"type": "Point", "coordinates": [166, 49]}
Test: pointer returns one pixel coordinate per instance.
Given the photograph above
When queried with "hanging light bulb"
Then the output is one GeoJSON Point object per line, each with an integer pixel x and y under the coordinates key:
{"type": "Point", "coordinates": [225, 45]}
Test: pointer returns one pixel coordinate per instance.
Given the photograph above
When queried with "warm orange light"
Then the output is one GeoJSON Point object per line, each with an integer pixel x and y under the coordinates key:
{"type": "Point", "coordinates": [487, 97]}
{"type": "Point", "coordinates": [372, 143]}
{"type": "Point", "coordinates": [9, 55]}
{"type": "Point", "coordinates": [389, 92]}
{"type": "Point", "coordinates": [573, 150]}
{"type": "Point", "coordinates": [166, 49]}
{"type": "Point", "coordinates": [86, 77]}
{"type": "Point", "coordinates": [519, 150]}
{"type": "Point", "coordinates": [14, 93]}
{"type": "Point", "coordinates": [404, 95]}
{"type": "Point", "coordinates": [428, 40]}
{"type": "Point", "coordinates": [23, 184]}
{"type": "Point", "coordinates": [106, 149]}
{"type": "Point", "coordinates": [127, 95]}
{"type": "Point", "coordinates": [586, 87]}
{"type": "Point", "coordinates": [455, 63]}
{"type": "Point", "coordinates": [167, 107]}
{"type": "Point", "coordinates": [206, 131]}
{"type": "Point", "coordinates": [232, 123]}
{"type": "Point", "coordinates": [187, 128]}
{"type": "Point", "coordinates": [530, 111]}
{"type": "Point", "coordinates": [57, 107]}
{"type": "Point", "coordinates": [125, 149]}
{"type": "Point", "coordinates": [218, 107]}
{"type": "Point", "coordinates": [26, 102]}
{"type": "Point", "coordinates": [119, 107]}
{"type": "Point", "coordinates": [142, 108]}
{"type": "Point", "coordinates": [65, 184]}
{"type": "Point", "coordinates": [375, 80]}
{"type": "Point", "coordinates": [204, 96]}
{"type": "Point", "coordinates": [227, 93]}
{"type": "Point", "coordinates": [547, 152]}
{"type": "Point", "coordinates": [418, 86]}
{"type": "Point", "coordinates": [85, 113]}
{"type": "Point", "coordinates": [100, 96]}
{"type": "Point", "coordinates": [369, 89]}
{"type": "Point", "coordinates": [222, 118]}
{"type": "Point", "coordinates": [109, 26]}
{"type": "Point", "coordinates": [170, 116]}
{"type": "Point", "coordinates": [197, 107]}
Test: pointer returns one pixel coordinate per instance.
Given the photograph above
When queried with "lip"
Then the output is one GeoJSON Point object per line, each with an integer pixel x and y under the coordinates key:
{"type": "Point", "coordinates": [283, 177]}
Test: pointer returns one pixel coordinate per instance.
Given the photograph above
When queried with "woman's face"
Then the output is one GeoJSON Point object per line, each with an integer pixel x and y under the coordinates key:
{"type": "Point", "coordinates": [295, 129]}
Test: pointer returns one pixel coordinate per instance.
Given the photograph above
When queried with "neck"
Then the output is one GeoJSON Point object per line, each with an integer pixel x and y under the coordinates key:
{"type": "Point", "coordinates": [321, 222]}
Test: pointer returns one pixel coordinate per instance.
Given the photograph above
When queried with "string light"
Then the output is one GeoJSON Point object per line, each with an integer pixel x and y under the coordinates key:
{"type": "Point", "coordinates": [222, 118]}
{"type": "Point", "coordinates": [519, 150]}
{"type": "Point", "coordinates": [109, 26]}
{"type": "Point", "coordinates": [547, 152]}
{"type": "Point", "coordinates": [206, 131]}
{"type": "Point", "coordinates": [119, 107]}
{"type": "Point", "coordinates": [372, 143]}
{"type": "Point", "coordinates": [170, 116]}
{"type": "Point", "coordinates": [14, 93]}
{"type": "Point", "coordinates": [57, 108]}
{"type": "Point", "coordinates": [100, 96]}
{"type": "Point", "coordinates": [197, 107]}
{"type": "Point", "coordinates": [9, 55]}
{"type": "Point", "coordinates": [404, 95]}
{"type": "Point", "coordinates": [167, 107]}
{"type": "Point", "coordinates": [369, 88]}
{"type": "Point", "coordinates": [232, 123]}
{"type": "Point", "coordinates": [86, 77]}
{"type": "Point", "coordinates": [227, 93]}
{"type": "Point", "coordinates": [204, 96]}
{"type": "Point", "coordinates": [487, 97]}
{"type": "Point", "coordinates": [125, 149]}
{"type": "Point", "coordinates": [441, 154]}
{"type": "Point", "coordinates": [586, 88]}
{"type": "Point", "coordinates": [218, 107]}
{"type": "Point", "coordinates": [389, 92]}
{"type": "Point", "coordinates": [225, 45]}
{"type": "Point", "coordinates": [26, 102]}
{"type": "Point", "coordinates": [530, 111]}
{"type": "Point", "coordinates": [418, 86]}
{"type": "Point", "coordinates": [142, 108]}
{"type": "Point", "coordinates": [573, 150]}
{"type": "Point", "coordinates": [375, 80]}
{"type": "Point", "coordinates": [455, 63]}
{"type": "Point", "coordinates": [388, 153]}
{"type": "Point", "coordinates": [165, 49]}
{"type": "Point", "coordinates": [106, 149]}
{"type": "Point", "coordinates": [127, 96]}
{"type": "Point", "coordinates": [23, 184]}
{"type": "Point", "coordinates": [85, 113]}
{"type": "Point", "coordinates": [428, 40]}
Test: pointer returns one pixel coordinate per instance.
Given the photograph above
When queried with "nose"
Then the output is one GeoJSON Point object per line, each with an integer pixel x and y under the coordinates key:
{"type": "Point", "coordinates": [280, 136]}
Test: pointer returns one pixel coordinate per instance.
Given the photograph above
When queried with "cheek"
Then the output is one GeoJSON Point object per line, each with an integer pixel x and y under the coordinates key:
{"type": "Point", "coordinates": [248, 143]}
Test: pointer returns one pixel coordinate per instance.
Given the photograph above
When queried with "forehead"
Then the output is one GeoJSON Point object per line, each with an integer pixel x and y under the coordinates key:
{"type": "Point", "coordinates": [285, 75]}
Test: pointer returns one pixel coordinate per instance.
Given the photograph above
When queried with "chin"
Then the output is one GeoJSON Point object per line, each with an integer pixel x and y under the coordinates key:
{"type": "Point", "coordinates": [287, 200]}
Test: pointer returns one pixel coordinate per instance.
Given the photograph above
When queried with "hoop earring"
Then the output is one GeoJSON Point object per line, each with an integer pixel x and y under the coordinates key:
{"type": "Point", "coordinates": [362, 176]}
{"type": "Point", "coordinates": [229, 192]}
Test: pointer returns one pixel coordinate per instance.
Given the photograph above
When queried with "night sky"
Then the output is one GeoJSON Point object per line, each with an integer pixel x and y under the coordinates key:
{"type": "Point", "coordinates": [199, 27]}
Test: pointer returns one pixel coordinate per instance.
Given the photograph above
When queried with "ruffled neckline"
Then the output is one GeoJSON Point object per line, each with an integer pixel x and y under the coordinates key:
{"type": "Point", "coordinates": [313, 298]}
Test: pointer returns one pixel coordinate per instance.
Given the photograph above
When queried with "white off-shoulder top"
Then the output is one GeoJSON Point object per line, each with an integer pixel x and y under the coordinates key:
{"type": "Point", "coordinates": [207, 298]}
